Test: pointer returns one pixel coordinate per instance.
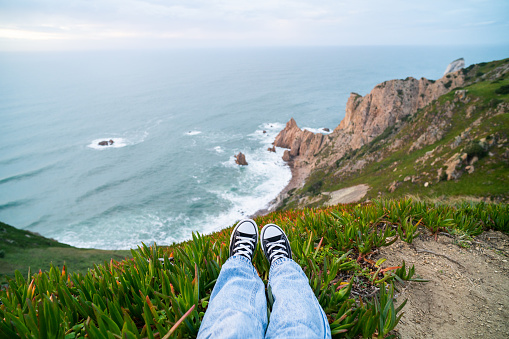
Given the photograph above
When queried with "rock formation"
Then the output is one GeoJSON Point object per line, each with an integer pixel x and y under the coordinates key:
{"type": "Point", "coordinates": [272, 149]}
{"type": "Point", "coordinates": [302, 143]}
{"type": "Point", "coordinates": [403, 115]}
{"type": "Point", "coordinates": [240, 159]}
{"type": "Point", "coordinates": [106, 142]}
{"type": "Point", "coordinates": [454, 66]}
{"type": "Point", "coordinates": [369, 116]}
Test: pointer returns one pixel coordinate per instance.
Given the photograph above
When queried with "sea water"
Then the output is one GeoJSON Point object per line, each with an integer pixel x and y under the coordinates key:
{"type": "Point", "coordinates": [176, 118]}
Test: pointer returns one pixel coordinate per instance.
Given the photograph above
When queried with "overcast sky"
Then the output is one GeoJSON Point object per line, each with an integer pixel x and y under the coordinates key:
{"type": "Point", "coordinates": [134, 24]}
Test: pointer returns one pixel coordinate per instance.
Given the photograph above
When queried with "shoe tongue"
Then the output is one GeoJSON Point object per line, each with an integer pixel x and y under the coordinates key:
{"type": "Point", "coordinates": [247, 235]}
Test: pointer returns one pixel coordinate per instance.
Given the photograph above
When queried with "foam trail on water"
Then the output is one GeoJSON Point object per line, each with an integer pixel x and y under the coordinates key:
{"type": "Point", "coordinates": [260, 182]}
{"type": "Point", "coordinates": [317, 130]}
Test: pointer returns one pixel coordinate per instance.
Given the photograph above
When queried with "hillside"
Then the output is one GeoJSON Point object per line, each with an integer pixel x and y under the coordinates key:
{"type": "Point", "coordinates": [21, 250]}
{"type": "Point", "coordinates": [445, 138]}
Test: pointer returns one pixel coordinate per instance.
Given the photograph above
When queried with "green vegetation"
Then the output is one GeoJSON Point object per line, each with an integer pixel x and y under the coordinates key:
{"type": "Point", "coordinates": [502, 90]}
{"type": "Point", "coordinates": [476, 126]}
{"type": "Point", "coordinates": [21, 250]}
{"type": "Point", "coordinates": [164, 292]}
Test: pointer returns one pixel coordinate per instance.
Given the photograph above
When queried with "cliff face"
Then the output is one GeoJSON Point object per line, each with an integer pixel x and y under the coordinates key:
{"type": "Point", "coordinates": [302, 143]}
{"type": "Point", "coordinates": [366, 117]}
{"type": "Point", "coordinates": [466, 130]}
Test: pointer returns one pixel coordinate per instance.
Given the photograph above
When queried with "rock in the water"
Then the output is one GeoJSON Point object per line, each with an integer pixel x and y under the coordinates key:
{"type": "Point", "coordinates": [240, 159]}
{"type": "Point", "coordinates": [264, 132]}
{"type": "Point", "coordinates": [106, 142]}
{"type": "Point", "coordinates": [326, 129]}
{"type": "Point", "coordinates": [272, 149]}
{"type": "Point", "coordinates": [454, 66]}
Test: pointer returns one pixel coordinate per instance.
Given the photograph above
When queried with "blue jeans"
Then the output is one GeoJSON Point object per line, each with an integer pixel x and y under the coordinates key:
{"type": "Point", "coordinates": [238, 307]}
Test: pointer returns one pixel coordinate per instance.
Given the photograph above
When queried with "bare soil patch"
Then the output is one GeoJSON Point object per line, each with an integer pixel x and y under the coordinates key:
{"type": "Point", "coordinates": [347, 195]}
{"type": "Point", "coordinates": [467, 295]}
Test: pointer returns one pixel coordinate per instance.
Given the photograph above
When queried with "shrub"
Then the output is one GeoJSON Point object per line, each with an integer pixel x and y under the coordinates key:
{"type": "Point", "coordinates": [502, 90]}
{"type": "Point", "coordinates": [2, 254]}
{"type": "Point", "coordinates": [448, 84]}
{"type": "Point", "coordinates": [474, 149]}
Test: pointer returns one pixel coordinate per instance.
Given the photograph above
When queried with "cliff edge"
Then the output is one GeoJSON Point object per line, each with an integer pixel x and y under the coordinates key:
{"type": "Point", "coordinates": [427, 110]}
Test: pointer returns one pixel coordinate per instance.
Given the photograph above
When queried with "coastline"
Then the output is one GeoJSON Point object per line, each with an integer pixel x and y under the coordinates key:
{"type": "Point", "coordinates": [299, 176]}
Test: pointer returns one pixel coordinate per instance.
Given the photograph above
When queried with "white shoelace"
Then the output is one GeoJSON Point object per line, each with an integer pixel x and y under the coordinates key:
{"type": "Point", "coordinates": [244, 246]}
{"type": "Point", "coordinates": [277, 250]}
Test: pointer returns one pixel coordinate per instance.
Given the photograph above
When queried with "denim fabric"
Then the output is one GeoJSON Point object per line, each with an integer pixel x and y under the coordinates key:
{"type": "Point", "coordinates": [238, 308]}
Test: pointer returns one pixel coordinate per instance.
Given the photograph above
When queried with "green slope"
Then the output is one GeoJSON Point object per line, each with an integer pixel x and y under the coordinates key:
{"type": "Point", "coordinates": [21, 250]}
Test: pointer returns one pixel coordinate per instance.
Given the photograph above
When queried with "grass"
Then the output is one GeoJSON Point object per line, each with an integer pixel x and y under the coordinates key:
{"type": "Point", "coordinates": [25, 250]}
{"type": "Point", "coordinates": [164, 292]}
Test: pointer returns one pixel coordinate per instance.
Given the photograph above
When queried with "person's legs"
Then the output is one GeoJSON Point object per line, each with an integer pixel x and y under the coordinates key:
{"type": "Point", "coordinates": [237, 307]}
{"type": "Point", "coordinates": [296, 312]}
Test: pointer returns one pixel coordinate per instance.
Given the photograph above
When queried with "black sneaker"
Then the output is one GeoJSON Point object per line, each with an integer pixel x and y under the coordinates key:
{"type": "Point", "coordinates": [244, 239]}
{"type": "Point", "coordinates": [275, 243]}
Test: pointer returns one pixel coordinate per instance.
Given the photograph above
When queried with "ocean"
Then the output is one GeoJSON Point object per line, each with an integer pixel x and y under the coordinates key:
{"type": "Point", "coordinates": [176, 117]}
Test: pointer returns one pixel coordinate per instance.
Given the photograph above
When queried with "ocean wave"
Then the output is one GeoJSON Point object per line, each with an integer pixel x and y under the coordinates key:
{"type": "Point", "coordinates": [317, 130]}
{"type": "Point", "coordinates": [193, 133]}
{"type": "Point", "coordinates": [267, 132]}
{"type": "Point", "coordinates": [12, 160]}
{"type": "Point", "coordinates": [258, 183]}
{"type": "Point", "coordinates": [101, 189]}
{"type": "Point", "coordinates": [26, 175]}
{"type": "Point", "coordinates": [16, 203]}
{"type": "Point", "coordinates": [127, 230]}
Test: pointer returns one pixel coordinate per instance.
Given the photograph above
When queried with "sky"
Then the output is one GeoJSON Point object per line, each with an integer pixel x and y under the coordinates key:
{"type": "Point", "coordinates": [156, 24]}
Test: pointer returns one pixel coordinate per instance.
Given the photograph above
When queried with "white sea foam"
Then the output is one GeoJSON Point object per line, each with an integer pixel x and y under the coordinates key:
{"type": "Point", "coordinates": [193, 133]}
{"type": "Point", "coordinates": [253, 187]}
{"type": "Point", "coordinates": [317, 130]}
{"type": "Point", "coordinates": [117, 143]}
{"type": "Point", "coordinates": [128, 230]}
{"type": "Point", "coordinates": [127, 139]}
{"type": "Point", "coordinates": [260, 182]}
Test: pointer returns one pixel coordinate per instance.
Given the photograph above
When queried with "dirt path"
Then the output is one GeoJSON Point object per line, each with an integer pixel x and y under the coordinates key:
{"type": "Point", "coordinates": [467, 295]}
{"type": "Point", "coordinates": [347, 195]}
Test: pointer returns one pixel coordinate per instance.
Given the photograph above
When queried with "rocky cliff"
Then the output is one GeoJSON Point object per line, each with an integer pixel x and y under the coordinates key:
{"type": "Point", "coordinates": [454, 66]}
{"type": "Point", "coordinates": [302, 143]}
{"type": "Point", "coordinates": [404, 116]}
{"type": "Point", "coordinates": [366, 117]}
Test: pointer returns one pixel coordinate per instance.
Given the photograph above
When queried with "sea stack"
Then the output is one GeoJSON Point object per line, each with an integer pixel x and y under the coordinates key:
{"type": "Point", "coordinates": [106, 143]}
{"type": "Point", "coordinates": [240, 159]}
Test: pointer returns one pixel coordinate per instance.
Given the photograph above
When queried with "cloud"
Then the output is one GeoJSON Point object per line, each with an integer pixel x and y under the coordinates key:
{"type": "Point", "coordinates": [247, 22]}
